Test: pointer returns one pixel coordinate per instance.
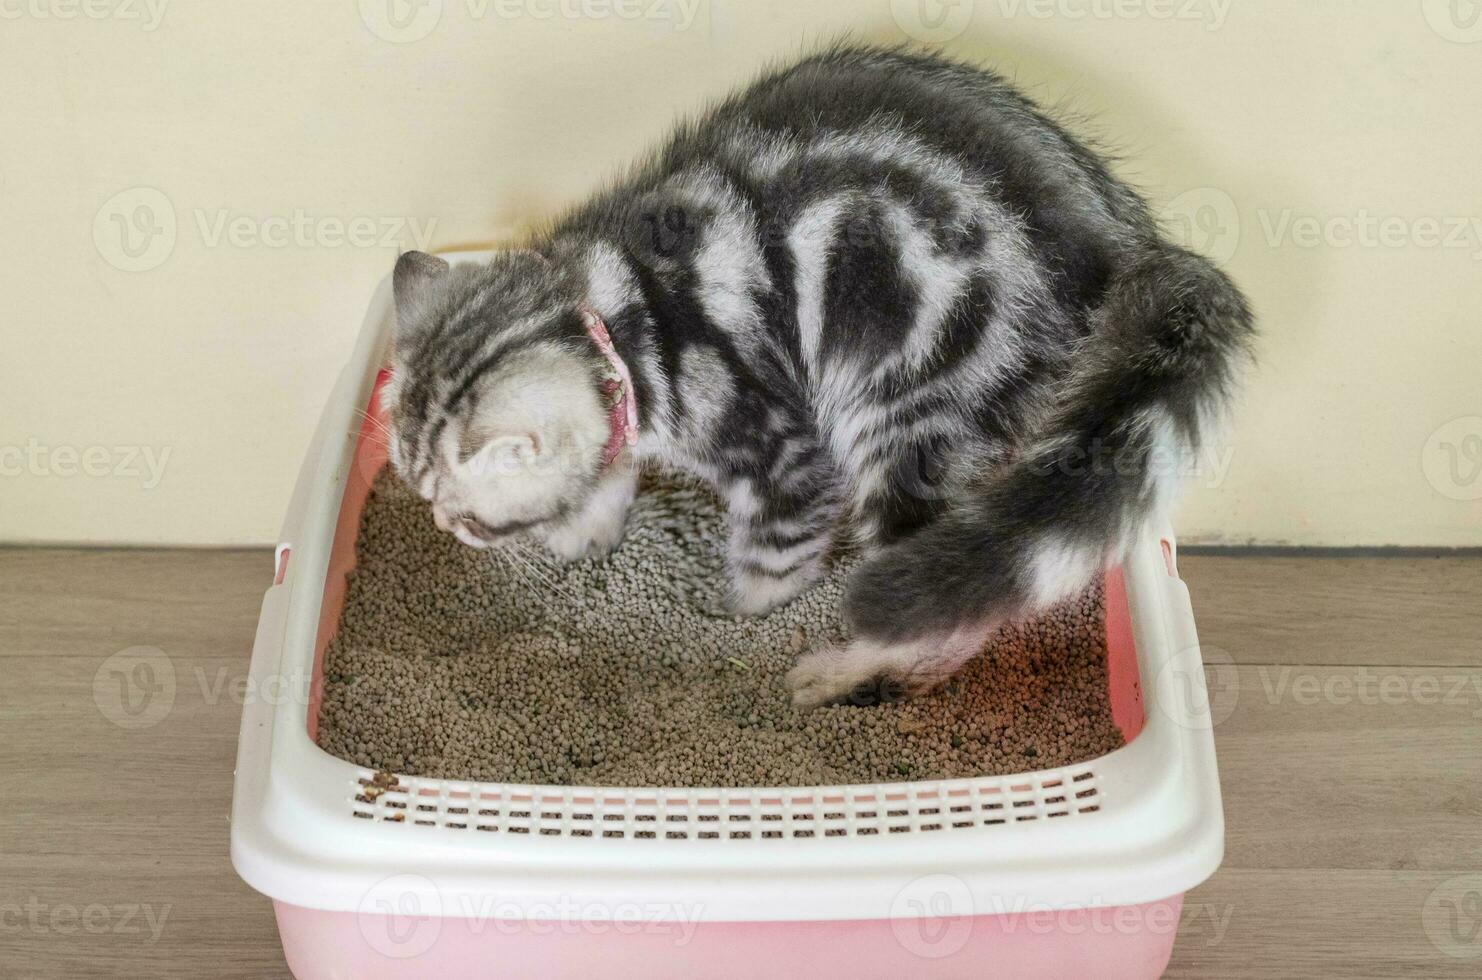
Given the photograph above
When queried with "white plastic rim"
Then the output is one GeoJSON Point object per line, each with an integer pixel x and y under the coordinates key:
{"type": "Point", "coordinates": [1156, 828]}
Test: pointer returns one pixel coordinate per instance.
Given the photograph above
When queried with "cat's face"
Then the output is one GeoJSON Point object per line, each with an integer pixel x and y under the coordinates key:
{"type": "Point", "coordinates": [495, 410]}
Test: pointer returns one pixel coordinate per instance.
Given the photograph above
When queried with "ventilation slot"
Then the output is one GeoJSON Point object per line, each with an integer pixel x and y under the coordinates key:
{"type": "Point", "coordinates": [705, 815]}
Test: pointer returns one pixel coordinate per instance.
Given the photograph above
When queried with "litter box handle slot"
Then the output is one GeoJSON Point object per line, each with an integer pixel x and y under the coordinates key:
{"type": "Point", "coordinates": [1180, 606]}
{"type": "Point", "coordinates": [1184, 659]}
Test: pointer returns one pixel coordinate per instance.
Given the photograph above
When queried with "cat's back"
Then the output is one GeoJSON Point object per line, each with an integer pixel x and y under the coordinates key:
{"type": "Point", "coordinates": [856, 89]}
{"type": "Point", "coordinates": [891, 114]}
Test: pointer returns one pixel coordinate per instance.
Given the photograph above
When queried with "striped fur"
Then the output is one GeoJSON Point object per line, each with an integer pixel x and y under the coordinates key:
{"type": "Point", "coordinates": [874, 296]}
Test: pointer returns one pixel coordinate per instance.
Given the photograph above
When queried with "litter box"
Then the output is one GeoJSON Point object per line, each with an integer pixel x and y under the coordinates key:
{"type": "Point", "coordinates": [1070, 872]}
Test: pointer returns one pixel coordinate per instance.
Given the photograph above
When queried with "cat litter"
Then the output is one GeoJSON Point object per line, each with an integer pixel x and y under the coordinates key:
{"type": "Point", "coordinates": [465, 664]}
{"type": "Point", "coordinates": [515, 767]}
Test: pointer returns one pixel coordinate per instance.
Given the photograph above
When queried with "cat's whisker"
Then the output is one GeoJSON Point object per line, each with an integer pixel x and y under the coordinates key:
{"type": "Point", "coordinates": [546, 579]}
{"type": "Point", "coordinates": [379, 438]}
{"type": "Point", "coordinates": [378, 425]}
{"type": "Point", "coordinates": [546, 576]}
{"type": "Point", "coordinates": [502, 556]}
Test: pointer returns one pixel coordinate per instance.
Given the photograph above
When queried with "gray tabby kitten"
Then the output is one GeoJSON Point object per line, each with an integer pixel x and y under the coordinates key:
{"type": "Point", "coordinates": [875, 297]}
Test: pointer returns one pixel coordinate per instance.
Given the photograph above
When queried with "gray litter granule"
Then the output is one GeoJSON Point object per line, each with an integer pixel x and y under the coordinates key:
{"type": "Point", "coordinates": [457, 663]}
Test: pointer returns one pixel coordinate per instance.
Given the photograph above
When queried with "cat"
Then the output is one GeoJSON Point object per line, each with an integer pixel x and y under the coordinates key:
{"type": "Point", "coordinates": [876, 299]}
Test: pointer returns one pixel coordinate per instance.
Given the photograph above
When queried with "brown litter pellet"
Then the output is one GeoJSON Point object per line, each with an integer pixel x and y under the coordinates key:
{"type": "Point", "coordinates": [463, 664]}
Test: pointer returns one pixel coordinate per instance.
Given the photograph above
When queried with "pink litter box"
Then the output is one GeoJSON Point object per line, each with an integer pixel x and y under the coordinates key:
{"type": "Point", "coordinates": [1070, 872]}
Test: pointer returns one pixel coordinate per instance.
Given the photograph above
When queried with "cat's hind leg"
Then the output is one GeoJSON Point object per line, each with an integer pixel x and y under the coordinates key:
{"type": "Point", "coordinates": [919, 609]}
{"type": "Point", "coordinates": [1020, 535]}
{"type": "Point", "coordinates": [869, 671]}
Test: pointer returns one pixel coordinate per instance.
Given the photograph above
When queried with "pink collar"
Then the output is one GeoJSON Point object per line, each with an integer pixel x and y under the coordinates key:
{"type": "Point", "coordinates": [622, 412]}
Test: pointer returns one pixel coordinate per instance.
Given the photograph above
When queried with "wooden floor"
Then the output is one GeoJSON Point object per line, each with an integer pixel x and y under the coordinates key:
{"type": "Point", "coordinates": [1350, 748]}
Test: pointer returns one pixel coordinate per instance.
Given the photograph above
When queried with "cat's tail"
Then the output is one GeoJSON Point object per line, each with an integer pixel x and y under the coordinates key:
{"type": "Point", "coordinates": [1146, 389]}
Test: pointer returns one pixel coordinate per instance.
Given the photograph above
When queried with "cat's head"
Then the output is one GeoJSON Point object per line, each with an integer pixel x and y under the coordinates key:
{"type": "Point", "coordinates": [495, 401]}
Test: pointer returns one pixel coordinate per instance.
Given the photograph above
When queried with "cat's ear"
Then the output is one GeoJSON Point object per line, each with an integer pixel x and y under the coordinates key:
{"type": "Point", "coordinates": [505, 453]}
{"type": "Point", "coordinates": [415, 274]}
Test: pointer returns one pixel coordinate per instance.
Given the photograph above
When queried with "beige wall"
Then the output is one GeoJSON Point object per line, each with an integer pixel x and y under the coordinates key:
{"type": "Point", "coordinates": [1328, 152]}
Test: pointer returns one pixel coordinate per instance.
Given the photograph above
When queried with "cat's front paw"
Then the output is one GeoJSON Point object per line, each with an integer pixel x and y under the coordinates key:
{"type": "Point", "coordinates": [572, 544]}
{"type": "Point", "coordinates": [597, 528]}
